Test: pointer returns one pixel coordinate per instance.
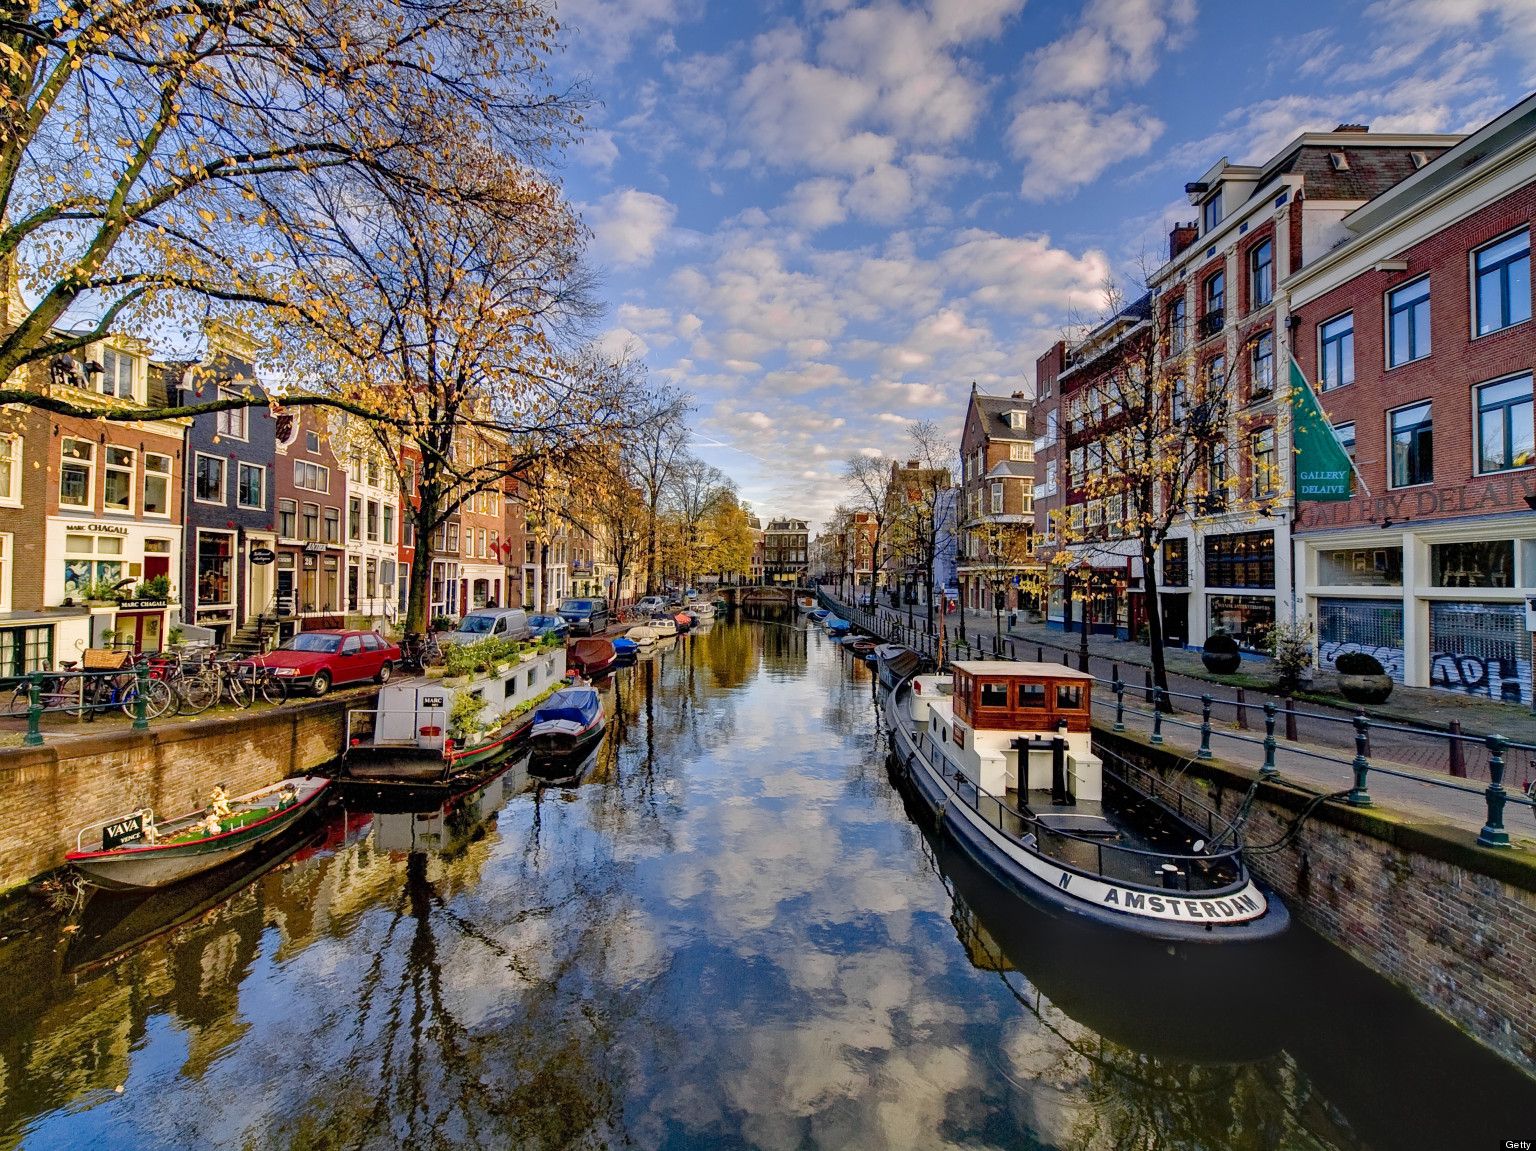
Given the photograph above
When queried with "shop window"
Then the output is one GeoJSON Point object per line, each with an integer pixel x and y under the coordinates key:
{"type": "Point", "coordinates": [1503, 274]}
{"type": "Point", "coordinates": [215, 565]}
{"type": "Point", "coordinates": [90, 560]}
{"type": "Point", "coordinates": [1412, 435]}
{"type": "Point", "coordinates": [1408, 323]}
{"type": "Point", "coordinates": [1481, 649]}
{"type": "Point", "coordinates": [10, 471]}
{"type": "Point", "coordinates": [1372, 626]}
{"type": "Point", "coordinates": [1336, 340]}
{"type": "Point", "coordinates": [76, 472]}
{"type": "Point", "coordinates": [209, 483]}
{"type": "Point", "coordinates": [252, 486]}
{"type": "Point", "coordinates": [1249, 619]}
{"type": "Point", "coordinates": [1474, 563]}
{"type": "Point", "coordinates": [1176, 563]}
{"type": "Point", "coordinates": [157, 484]}
{"type": "Point", "coordinates": [1245, 559]}
{"type": "Point", "coordinates": [1504, 432]}
{"type": "Point", "coordinates": [1360, 567]}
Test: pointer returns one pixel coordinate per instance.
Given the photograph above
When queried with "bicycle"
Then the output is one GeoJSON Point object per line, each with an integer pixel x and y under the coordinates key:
{"type": "Point", "coordinates": [418, 652]}
{"type": "Point", "coordinates": [64, 692]}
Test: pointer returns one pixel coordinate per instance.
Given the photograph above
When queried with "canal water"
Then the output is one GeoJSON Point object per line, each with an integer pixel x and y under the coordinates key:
{"type": "Point", "coordinates": [732, 934]}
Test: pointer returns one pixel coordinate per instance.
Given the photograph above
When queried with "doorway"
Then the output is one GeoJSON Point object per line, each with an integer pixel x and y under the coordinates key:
{"type": "Point", "coordinates": [259, 581]}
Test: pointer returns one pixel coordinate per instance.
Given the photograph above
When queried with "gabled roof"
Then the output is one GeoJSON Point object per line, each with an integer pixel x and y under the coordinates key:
{"type": "Point", "coordinates": [992, 414]}
{"type": "Point", "coordinates": [1015, 469]}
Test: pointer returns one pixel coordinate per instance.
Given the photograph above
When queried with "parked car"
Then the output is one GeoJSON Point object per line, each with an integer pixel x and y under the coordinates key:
{"type": "Point", "coordinates": [542, 625]}
{"type": "Point", "coordinates": [491, 622]}
{"type": "Point", "coordinates": [649, 605]}
{"type": "Point", "coordinates": [326, 658]}
{"type": "Point", "coordinates": [586, 616]}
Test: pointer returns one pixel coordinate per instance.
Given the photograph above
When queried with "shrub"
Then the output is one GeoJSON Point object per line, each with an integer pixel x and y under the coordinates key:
{"type": "Point", "coordinates": [444, 623]}
{"type": "Point", "coordinates": [1290, 645]}
{"type": "Point", "coordinates": [1221, 643]}
{"type": "Point", "coordinates": [464, 714]}
{"type": "Point", "coordinates": [155, 587]}
{"type": "Point", "coordinates": [1358, 663]}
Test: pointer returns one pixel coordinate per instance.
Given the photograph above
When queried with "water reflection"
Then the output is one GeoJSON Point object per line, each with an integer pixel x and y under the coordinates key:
{"type": "Point", "coordinates": [730, 934]}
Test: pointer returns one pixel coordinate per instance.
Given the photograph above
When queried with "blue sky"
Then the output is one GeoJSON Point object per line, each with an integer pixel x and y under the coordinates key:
{"type": "Point", "coordinates": [825, 219]}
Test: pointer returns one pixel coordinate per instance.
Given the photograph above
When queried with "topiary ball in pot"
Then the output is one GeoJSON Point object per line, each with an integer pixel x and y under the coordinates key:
{"type": "Point", "coordinates": [1220, 654]}
{"type": "Point", "coordinates": [1362, 679]}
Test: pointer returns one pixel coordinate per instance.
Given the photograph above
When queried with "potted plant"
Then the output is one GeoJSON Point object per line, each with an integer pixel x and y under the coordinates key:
{"type": "Point", "coordinates": [1220, 654]}
{"type": "Point", "coordinates": [1290, 645]}
{"type": "Point", "coordinates": [464, 716]}
{"type": "Point", "coordinates": [1362, 679]}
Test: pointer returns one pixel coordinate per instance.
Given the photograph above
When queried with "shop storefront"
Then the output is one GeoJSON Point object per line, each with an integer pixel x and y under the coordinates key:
{"type": "Point", "coordinates": [1236, 565]}
{"type": "Point", "coordinates": [214, 606]}
{"type": "Point", "coordinates": [127, 569]}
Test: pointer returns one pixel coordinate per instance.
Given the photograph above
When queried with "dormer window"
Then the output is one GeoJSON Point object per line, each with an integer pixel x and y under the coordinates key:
{"type": "Point", "coordinates": [118, 374]}
{"type": "Point", "coordinates": [1017, 418]}
{"type": "Point", "coordinates": [1210, 213]}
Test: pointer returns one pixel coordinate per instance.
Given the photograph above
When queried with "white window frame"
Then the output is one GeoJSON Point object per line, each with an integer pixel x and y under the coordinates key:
{"type": "Point", "coordinates": [89, 463]}
{"type": "Point", "coordinates": [168, 475]}
{"type": "Point", "coordinates": [14, 472]}
{"type": "Point", "coordinates": [997, 497]}
{"type": "Point", "coordinates": [6, 571]}
{"type": "Point", "coordinates": [223, 500]}
{"type": "Point", "coordinates": [108, 468]}
{"type": "Point", "coordinates": [233, 423]}
{"type": "Point", "coordinates": [306, 470]}
{"type": "Point", "coordinates": [112, 361]}
{"type": "Point", "coordinates": [240, 467]}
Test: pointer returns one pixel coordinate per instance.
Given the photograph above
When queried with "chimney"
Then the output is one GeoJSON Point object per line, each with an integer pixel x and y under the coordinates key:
{"type": "Point", "coordinates": [1182, 236]}
{"type": "Point", "coordinates": [1020, 396]}
{"type": "Point", "coordinates": [912, 465]}
{"type": "Point", "coordinates": [1358, 128]}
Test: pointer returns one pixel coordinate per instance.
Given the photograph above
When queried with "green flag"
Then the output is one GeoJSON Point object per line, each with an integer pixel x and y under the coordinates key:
{"type": "Point", "coordinates": [1323, 467]}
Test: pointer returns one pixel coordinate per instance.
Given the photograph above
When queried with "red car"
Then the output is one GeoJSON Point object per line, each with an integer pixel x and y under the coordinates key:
{"type": "Point", "coordinates": [320, 660]}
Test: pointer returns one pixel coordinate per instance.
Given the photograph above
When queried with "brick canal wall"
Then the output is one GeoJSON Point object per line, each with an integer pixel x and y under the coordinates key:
{"type": "Point", "coordinates": [48, 793]}
{"type": "Point", "coordinates": [1452, 923]}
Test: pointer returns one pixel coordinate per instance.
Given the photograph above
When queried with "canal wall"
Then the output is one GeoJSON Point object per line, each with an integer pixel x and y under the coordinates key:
{"type": "Point", "coordinates": [1452, 923]}
{"type": "Point", "coordinates": [48, 793]}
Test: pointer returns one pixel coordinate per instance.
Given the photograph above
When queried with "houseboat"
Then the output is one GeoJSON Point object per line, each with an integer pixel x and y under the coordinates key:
{"type": "Point", "coordinates": [430, 729]}
{"type": "Point", "coordinates": [1002, 754]}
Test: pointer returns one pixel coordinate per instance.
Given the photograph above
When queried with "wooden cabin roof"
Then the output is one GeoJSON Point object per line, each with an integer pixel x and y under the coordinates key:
{"type": "Point", "coordinates": [1017, 669]}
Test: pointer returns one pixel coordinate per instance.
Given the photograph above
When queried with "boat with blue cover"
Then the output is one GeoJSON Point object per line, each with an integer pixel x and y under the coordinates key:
{"type": "Point", "coordinates": [566, 724]}
{"type": "Point", "coordinates": [835, 625]}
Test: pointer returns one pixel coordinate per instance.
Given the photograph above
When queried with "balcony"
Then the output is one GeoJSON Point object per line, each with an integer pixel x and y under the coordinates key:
{"type": "Point", "coordinates": [1211, 323]}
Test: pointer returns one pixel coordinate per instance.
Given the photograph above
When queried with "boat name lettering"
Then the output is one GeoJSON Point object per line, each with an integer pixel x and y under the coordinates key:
{"type": "Point", "coordinates": [431, 701]}
{"type": "Point", "coordinates": [123, 832]}
{"type": "Point", "coordinates": [1233, 908]}
{"type": "Point", "coordinates": [1065, 879]}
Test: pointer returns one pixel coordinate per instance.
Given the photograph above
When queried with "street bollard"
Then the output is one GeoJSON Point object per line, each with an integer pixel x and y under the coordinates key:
{"type": "Point", "coordinates": [1013, 652]}
{"type": "Point", "coordinates": [1119, 702]}
{"type": "Point", "coordinates": [141, 698]}
{"type": "Point", "coordinates": [1458, 765]}
{"type": "Point", "coordinates": [1269, 770]}
{"type": "Point", "coordinates": [1360, 714]}
{"type": "Point", "coordinates": [1290, 719]}
{"type": "Point", "coordinates": [34, 736]}
{"type": "Point", "coordinates": [1205, 728]}
{"type": "Point", "coordinates": [1242, 711]}
{"type": "Point", "coordinates": [1157, 725]}
{"type": "Point", "coordinates": [1066, 660]}
{"type": "Point", "coordinates": [1114, 672]}
{"type": "Point", "coordinates": [1149, 684]}
{"type": "Point", "coordinates": [1493, 833]}
{"type": "Point", "coordinates": [1358, 795]}
{"type": "Point", "coordinates": [1039, 653]}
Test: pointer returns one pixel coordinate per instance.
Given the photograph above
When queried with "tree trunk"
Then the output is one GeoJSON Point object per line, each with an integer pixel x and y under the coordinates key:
{"type": "Point", "coordinates": [1154, 608]}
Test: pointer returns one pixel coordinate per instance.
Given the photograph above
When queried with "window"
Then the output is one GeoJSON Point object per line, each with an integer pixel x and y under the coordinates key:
{"type": "Point", "coordinates": [481, 536]}
{"type": "Point", "coordinates": [157, 484]}
{"type": "Point", "coordinates": [1069, 697]}
{"type": "Point", "coordinates": [118, 488]}
{"type": "Point", "coordinates": [1210, 213]}
{"type": "Point", "coordinates": [1019, 452]}
{"type": "Point", "coordinates": [26, 649]}
{"type": "Point", "coordinates": [997, 498]}
{"type": "Point", "coordinates": [233, 422]}
{"type": "Point", "coordinates": [312, 521]}
{"type": "Point", "coordinates": [333, 525]}
{"type": "Point", "coordinates": [1504, 431]}
{"type": "Point", "coordinates": [215, 567]}
{"type": "Point", "coordinates": [10, 471]}
{"type": "Point", "coordinates": [1412, 446]}
{"type": "Point", "coordinates": [354, 519]}
{"type": "Point", "coordinates": [1476, 563]}
{"type": "Point", "coordinates": [251, 486]}
{"type": "Point", "coordinates": [1337, 341]}
{"type": "Point", "coordinates": [1261, 450]}
{"type": "Point", "coordinates": [408, 533]}
{"type": "Point", "coordinates": [373, 471]}
{"type": "Point", "coordinates": [1031, 695]}
{"type": "Point", "coordinates": [90, 558]}
{"type": "Point", "coordinates": [117, 374]}
{"type": "Point", "coordinates": [1261, 274]}
{"type": "Point", "coordinates": [311, 477]}
{"type": "Point", "coordinates": [373, 521]}
{"type": "Point", "coordinates": [1176, 326]}
{"type": "Point", "coordinates": [1176, 563]}
{"type": "Point", "coordinates": [1408, 323]}
{"type": "Point", "coordinates": [453, 536]}
{"type": "Point", "coordinates": [1346, 434]}
{"type": "Point", "coordinates": [210, 480]}
{"type": "Point", "coordinates": [77, 473]}
{"type": "Point", "coordinates": [1261, 365]}
{"type": "Point", "coordinates": [389, 524]}
{"type": "Point", "coordinates": [1216, 478]}
{"type": "Point", "coordinates": [1503, 274]}
{"type": "Point", "coordinates": [287, 519]}
{"type": "Point", "coordinates": [312, 442]}
{"type": "Point", "coordinates": [994, 695]}
{"type": "Point", "coordinates": [1216, 293]}
{"type": "Point", "coordinates": [5, 572]}
{"type": "Point", "coordinates": [371, 578]}
{"type": "Point", "coordinates": [1246, 559]}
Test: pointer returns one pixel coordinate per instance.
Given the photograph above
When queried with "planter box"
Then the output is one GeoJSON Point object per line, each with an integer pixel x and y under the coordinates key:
{"type": "Point", "coordinates": [1221, 662]}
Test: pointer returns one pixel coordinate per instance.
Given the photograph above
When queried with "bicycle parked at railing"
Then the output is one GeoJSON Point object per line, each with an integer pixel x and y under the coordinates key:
{"type": "Point", "coordinates": [81, 693]}
{"type": "Point", "coordinates": [419, 652]}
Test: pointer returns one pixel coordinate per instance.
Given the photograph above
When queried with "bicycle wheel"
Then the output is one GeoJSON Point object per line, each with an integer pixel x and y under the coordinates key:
{"type": "Point", "coordinates": [158, 699]}
{"type": "Point", "coordinates": [272, 689]}
{"type": "Point", "coordinates": [20, 701]}
{"type": "Point", "coordinates": [195, 693]}
{"type": "Point", "coordinates": [237, 689]}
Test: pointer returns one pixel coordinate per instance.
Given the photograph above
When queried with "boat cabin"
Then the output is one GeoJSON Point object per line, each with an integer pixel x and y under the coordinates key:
{"type": "Point", "coordinates": [1004, 724]}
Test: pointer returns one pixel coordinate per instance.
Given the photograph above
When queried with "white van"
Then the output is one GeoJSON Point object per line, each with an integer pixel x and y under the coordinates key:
{"type": "Point", "coordinates": [488, 622]}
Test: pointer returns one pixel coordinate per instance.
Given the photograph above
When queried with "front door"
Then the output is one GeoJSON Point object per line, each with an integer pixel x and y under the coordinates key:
{"type": "Point", "coordinates": [259, 581]}
{"type": "Point", "coordinates": [352, 587]}
{"type": "Point", "coordinates": [1176, 619]}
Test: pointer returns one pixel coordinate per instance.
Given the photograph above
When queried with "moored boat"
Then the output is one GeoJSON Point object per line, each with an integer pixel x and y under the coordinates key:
{"type": "Point", "coordinates": [835, 625]}
{"type": "Point", "coordinates": [684, 621]}
{"type": "Point", "coordinates": [591, 656]}
{"type": "Point", "coordinates": [642, 636]}
{"type": "Point", "coordinates": [426, 729]}
{"type": "Point", "coordinates": [566, 724]}
{"type": "Point", "coordinates": [1001, 752]}
{"type": "Point", "coordinates": [138, 852]}
{"type": "Point", "coordinates": [805, 604]}
{"type": "Point", "coordinates": [663, 626]}
{"type": "Point", "coordinates": [818, 614]}
{"type": "Point", "coordinates": [625, 649]}
{"type": "Point", "coordinates": [701, 610]}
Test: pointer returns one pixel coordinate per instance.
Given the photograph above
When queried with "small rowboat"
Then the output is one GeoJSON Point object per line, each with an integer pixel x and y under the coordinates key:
{"type": "Point", "coordinates": [591, 656]}
{"type": "Point", "coordinates": [624, 649]}
{"type": "Point", "coordinates": [138, 853]}
{"type": "Point", "coordinates": [643, 636]}
{"type": "Point", "coordinates": [566, 723]}
{"type": "Point", "coordinates": [684, 621]}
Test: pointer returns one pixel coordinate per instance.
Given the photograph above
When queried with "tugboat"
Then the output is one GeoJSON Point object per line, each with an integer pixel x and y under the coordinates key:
{"type": "Point", "coordinates": [1001, 754]}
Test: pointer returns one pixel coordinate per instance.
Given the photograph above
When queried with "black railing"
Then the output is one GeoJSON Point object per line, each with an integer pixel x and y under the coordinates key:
{"type": "Point", "coordinates": [1211, 323]}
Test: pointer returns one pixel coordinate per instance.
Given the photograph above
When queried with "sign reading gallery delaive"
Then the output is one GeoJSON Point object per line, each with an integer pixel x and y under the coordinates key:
{"type": "Point", "coordinates": [1323, 467]}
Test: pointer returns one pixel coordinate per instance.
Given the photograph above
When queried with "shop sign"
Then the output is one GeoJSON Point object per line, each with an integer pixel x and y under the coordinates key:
{"type": "Point", "coordinates": [133, 604]}
{"type": "Point", "coordinates": [261, 557]}
{"type": "Point", "coordinates": [108, 529]}
{"type": "Point", "coordinates": [313, 546]}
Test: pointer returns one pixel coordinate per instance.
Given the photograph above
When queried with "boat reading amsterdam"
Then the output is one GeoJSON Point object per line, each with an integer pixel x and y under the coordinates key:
{"type": "Point", "coordinates": [1002, 754]}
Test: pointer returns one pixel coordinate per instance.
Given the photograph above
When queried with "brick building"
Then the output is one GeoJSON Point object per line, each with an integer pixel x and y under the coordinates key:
{"type": "Point", "coordinates": [995, 505]}
{"type": "Point", "coordinates": [311, 490]}
{"type": "Point", "coordinates": [786, 551]}
{"type": "Point", "coordinates": [1418, 333]}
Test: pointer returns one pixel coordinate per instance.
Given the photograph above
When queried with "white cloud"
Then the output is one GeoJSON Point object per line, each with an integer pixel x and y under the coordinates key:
{"type": "Point", "coordinates": [816, 204]}
{"type": "Point", "coordinates": [597, 149]}
{"type": "Point", "coordinates": [610, 29]}
{"type": "Point", "coordinates": [1025, 275]}
{"type": "Point", "coordinates": [1065, 144]}
{"type": "Point", "coordinates": [628, 225]}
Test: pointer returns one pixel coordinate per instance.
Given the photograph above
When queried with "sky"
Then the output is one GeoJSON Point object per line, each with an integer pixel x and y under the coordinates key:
{"type": "Point", "coordinates": [826, 219]}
